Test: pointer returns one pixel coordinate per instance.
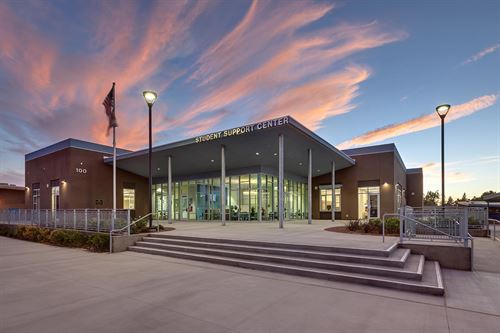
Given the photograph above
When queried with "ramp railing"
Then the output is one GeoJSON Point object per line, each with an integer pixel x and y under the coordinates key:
{"type": "Point", "coordinates": [89, 219]}
{"type": "Point", "coordinates": [437, 224]}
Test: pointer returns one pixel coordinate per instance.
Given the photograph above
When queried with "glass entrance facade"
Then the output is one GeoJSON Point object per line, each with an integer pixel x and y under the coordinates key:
{"type": "Point", "coordinates": [201, 199]}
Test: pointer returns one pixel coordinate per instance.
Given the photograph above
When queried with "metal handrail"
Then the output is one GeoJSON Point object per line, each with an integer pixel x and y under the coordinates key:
{"type": "Point", "coordinates": [495, 221]}
{"type": "Point", "coordinates": [128, 230]}
{"type": "Point", "coordinates": [471, 251]}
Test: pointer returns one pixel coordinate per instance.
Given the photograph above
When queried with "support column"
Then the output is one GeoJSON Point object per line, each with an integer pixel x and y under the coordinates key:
{"type": "Point", "coordinates": [281, 203]}
{"type": "Point", "coordinates": [223, 185]}
{"type": "Point", "coordinates": [259, 195]}
{"type": "Point", "coordinates": [169, 194]}
{"type": "Point", "coordinates": [333, 191]}
{"type": "Point", "coordinates": [309, 187]}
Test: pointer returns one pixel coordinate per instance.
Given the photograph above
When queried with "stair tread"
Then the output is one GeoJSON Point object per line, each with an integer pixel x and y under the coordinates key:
{"type": "Point", "coordinates": [396, 256]}
{"type": "Point", "coordinates": [411, 264]}
{"type": "Point", "coordinates": [430, 276]}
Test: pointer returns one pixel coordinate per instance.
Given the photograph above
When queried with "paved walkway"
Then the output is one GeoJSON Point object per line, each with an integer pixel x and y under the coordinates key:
{"type": "Point", "coordinates": [297, 232]}
{"type": "Point", "coordinates": [50, 289]}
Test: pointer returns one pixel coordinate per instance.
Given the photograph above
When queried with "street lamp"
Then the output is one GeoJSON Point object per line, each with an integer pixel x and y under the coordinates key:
{"type": "Point", "coordinates": [442, 111]}
{"type": "Point", "coordinates": [150, 98]}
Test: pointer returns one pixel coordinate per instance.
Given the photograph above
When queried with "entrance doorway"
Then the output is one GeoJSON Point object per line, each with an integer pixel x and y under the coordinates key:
{"type": "Point", "coordinates": [369, 202]}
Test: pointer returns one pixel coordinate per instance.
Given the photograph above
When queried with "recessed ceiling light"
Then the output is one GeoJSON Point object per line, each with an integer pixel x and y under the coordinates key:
{"type": "Point", "coordinates": [275, 154]}
{"type": "Point", "coordinates": [158, 169]}
{"type": "Point", "coordinates": [257, 153]}
{"type": "Point", "coordinates": [318, 170]}
{"type": "Point", "coordinates": [300, 163]}
{"type": "Point", "coordinates": [212, 161]}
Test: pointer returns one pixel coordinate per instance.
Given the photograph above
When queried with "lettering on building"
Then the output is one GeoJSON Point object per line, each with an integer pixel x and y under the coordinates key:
{"type": "Point", "coordinates": [242, 130]}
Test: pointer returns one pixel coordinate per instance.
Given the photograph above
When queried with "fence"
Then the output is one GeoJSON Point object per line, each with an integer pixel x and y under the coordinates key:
{"type": "Point", "coordinates": [100, 220]}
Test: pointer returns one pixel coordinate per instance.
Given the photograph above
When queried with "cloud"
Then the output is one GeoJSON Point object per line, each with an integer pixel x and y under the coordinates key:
{"type": "Point", "coordinates": [314, 101]}
{"type": "Point", "coordinates": [50, 93]}
{"type": "Point", "coordinates": [481, 54]}
{"type": "Point", "coordinates": [420, 123]}
{"type": "Point", "coordinates": [289, 63]}
{"type": "Point", "coordinates": [12, 176]}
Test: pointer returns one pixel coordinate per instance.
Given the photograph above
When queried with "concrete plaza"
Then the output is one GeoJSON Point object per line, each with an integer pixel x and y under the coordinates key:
{"type": "Point", "coordinates": [51, 289]}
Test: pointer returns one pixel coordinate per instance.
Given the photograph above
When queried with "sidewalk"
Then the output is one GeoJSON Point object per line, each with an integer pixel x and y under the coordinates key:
{"type": "Point", "coordinates": [52, 289]}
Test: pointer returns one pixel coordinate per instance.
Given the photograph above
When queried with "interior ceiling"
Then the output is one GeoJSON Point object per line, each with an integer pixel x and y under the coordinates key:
{"type": "Point", "coordinates": [240, 151]}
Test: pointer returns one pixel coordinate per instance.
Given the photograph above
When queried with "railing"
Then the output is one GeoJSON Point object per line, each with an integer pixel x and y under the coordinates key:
{"type": "Point", "coordinates": [98, 220]}
{"type": "Point", "coordinates": [121, 230]}
{"type": "Point", "coordinates": [494, 235]}
{"type": "Point", "coordinates": [441, 224]}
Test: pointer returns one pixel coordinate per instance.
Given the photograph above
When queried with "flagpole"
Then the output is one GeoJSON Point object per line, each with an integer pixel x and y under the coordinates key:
{"type": "Point", "coordinates": [114, 161]}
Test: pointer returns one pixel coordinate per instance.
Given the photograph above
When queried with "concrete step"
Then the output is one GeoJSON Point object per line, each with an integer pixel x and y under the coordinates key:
{"type": "Point", "coordinates": [412, 269]}
{"type": "Point", "coordinates": [397, 257]}
{"type": "Point", "coordinates": [431, 282]}
{"type": "Point", "coordinates": [305, 247]}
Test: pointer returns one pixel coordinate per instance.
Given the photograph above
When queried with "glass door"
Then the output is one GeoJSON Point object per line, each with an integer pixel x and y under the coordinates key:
{"type": "Point", "coordinates": [373, 205]}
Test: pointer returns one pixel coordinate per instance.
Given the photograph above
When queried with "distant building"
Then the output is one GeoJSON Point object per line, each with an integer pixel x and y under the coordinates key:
{"type": "Point", "coordinates": [11, 196]}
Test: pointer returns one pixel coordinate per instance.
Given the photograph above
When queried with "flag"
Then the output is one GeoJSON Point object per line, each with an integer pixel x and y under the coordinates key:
{"type": "Point", "coordinates": [109, 106]}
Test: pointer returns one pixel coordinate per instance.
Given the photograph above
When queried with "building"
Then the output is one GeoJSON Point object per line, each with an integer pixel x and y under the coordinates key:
{"type": "Point", "coordinates": [11, 196]}
{"type": "Point", "coordinates": [369, 181]}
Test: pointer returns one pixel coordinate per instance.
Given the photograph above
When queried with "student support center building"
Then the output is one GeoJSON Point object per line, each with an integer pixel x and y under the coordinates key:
{"type": "Point", "coordinates": [268, 167]}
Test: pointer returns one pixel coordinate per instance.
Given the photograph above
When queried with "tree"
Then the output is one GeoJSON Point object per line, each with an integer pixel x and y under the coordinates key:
{"type": "Point", "coordinates": [464, 197]}
{"type": "Point", "coordinates": [431, 198]}
{"type": "Point", "coordinates": [450, 201]}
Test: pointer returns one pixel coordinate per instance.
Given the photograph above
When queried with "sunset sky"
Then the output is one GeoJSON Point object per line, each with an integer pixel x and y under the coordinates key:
{"type": "Point", "coordinates": [356, 72]}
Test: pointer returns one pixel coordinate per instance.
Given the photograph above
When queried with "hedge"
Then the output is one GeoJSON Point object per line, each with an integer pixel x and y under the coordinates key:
{"type": "Point", "coordinates": [95, 242]}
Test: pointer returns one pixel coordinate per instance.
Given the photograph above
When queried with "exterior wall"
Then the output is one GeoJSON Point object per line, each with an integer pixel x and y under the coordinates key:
{"type": "Point", "coordinates": [415, 189]}
{"type": "Point", "coordinates": [92, 189]}
{"type": "Point", "coordinates": [11, 198]}
{"type": "Point", "coordinates": [373, 169]}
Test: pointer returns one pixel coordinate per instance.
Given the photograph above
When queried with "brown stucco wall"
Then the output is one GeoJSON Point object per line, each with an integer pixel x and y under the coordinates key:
{"type": "Point", "coordinates": [11, 198]}
{"type": "Point", "coordinates": [374, 168]}
{"type": "Point", "coordinates": [415, 189]}
{"type": "Point", "coordinates": [82, 190]}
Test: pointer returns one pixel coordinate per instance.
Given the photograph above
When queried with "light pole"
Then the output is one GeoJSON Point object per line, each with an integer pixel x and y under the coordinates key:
{"type": "Point", "coordinates": [442, 111]}
{"type": "Point", "coordinates": [150, 97]}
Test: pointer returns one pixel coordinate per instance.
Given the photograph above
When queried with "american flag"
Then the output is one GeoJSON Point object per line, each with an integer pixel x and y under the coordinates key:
{"type": "Point", "coordinates": [109, 106]}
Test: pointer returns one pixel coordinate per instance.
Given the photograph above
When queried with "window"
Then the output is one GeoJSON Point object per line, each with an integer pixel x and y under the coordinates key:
{"type": "Point", "coordinates": [55, 191]}
{"type": "Point", "coordinates": [326, 199]}
{"type": "Point", "coordinates": [128, 198]}
{"type": "Point", "coordinates": [36, 196]}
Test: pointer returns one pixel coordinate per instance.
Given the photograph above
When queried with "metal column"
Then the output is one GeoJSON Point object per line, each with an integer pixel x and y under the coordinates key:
{"type": "Point", "coordinates": [223, 185]}
{"type": "Point", "coordinates": [259, 195]}
{"type": "Point", "coordinates": [309, 187]}
{"type": "Point", "coordinates": [169, 194]}
{"type": "Point", "coordinates": [281, 206]}
{"type": "Point", "coordinates": [333, 191]}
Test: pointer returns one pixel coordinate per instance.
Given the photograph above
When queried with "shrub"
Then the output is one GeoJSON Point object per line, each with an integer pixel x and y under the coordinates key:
{"type": "Point", "coordinates": [392, 225]}
{"type": "Point", "coordinates": [140, 227]}
{"type": "Point", "coordinates": [373, 226]}
{"type": "Point", "coordinates": [354, 225]}
{"type": "Point", "coordinates": [99, 243]}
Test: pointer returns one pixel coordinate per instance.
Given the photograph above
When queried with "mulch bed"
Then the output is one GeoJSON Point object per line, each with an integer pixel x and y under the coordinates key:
{"type": "Point", "coordinates": [344, 230]}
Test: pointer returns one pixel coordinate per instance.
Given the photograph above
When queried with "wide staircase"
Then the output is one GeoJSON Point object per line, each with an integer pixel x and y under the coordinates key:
{"type": "Point", "coordinates": [393, 268]}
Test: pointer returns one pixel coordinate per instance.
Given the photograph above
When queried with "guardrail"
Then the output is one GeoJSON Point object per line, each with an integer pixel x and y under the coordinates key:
{"type": "Point", "coordinates": [439, 224]}
{"type": "Point", "coordinates": [128, 226]}
{"type": "Point", "coordinates": [98, 220]}
{"type": "Point", "coordinates": [494, 231]}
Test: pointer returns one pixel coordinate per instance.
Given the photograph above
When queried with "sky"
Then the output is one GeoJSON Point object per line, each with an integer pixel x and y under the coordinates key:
{"type": "Point", "coordinates": [356, 72]}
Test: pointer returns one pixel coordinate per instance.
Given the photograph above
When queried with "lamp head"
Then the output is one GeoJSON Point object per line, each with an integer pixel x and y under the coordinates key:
{"type": "Point", "coordinates": [150, 97]}
{"type": "Point", "coordinates": [442, 110]}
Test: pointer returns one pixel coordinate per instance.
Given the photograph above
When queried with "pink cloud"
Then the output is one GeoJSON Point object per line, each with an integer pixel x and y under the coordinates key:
{"type": "Point", "coordinates": [420, 123]}
{"type": "Point", "coordinates": [481, 54]}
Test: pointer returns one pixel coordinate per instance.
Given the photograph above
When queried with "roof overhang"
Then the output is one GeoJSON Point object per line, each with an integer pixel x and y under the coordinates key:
{"type": "Point", "coordinates": [253, 145]}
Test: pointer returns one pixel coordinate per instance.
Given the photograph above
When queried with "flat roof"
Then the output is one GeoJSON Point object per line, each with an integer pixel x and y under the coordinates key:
{"type": "Point", "coordinates": [252, 145]}
{"type": "Point", "coordinates": [378, 149]}
{"type": "Point", "coordinates": [73, 143]}
{"type": "Point", "coordinates": [5, 186]}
